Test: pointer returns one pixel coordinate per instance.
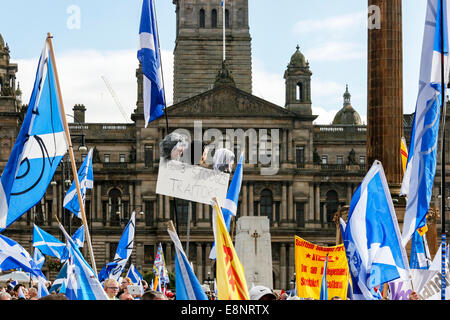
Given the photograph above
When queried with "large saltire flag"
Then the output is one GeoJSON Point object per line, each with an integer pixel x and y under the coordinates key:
{"type": "Point", "coordinates": [424, 136]}
{"type": "Point", "coordinates": [149, 56]}
{"type": "Point", "coordinates": [48, 244]}
{"type": "Point", "coordinates": [229, 208]}
{"type": "Point", "coordinates": [115, 268]}
{"type": "Point", "coordinates": [187, 285]}
{"type": "Point", "coordinates": [39, 148]}
{"type": "Point", "coordinates": [81, 281]}
{"type": "Point", "coordinates": [231, 284]}
{"type": "Point", "coordinates": [372, 237]}
{"type": "Point", "coordinates": [14, 256]}
{"type": "Point", "coordinates": [38, 258]}
{"type": "Point", "coordinates": [86, 181]}
{"type": "Point", "coordinates": [78, 237]}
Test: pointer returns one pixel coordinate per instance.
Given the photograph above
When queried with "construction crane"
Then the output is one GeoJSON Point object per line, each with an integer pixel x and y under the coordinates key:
{"type": "Point", "coordinates": [114, 95]}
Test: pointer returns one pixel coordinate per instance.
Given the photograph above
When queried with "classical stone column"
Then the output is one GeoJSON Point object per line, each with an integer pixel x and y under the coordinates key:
{"type": "Point", "coordinates": [290, 203]}
{"type": "Point", "coordinates": [283, 145]}
{"type": "Point", "coordinates": [283, 266]}
{"type": "Point", "coordinates": [160, 207]}
{"type": "Point", "coordinates": [244, 199]}
{"type": "Point", "coordinates": [317, 204]}
{"type": "Point", "coordinates": [99, 210]}
{"type": "Point", "coordinates": [169, 261]}
{"type": "Point", "coordinates": [349, 193]}
{"type": "Point", "coordinates": [250, 200]}
{"type": "Point", "coordinates": [199, 211]}
{"type": "Point", "coordinates": [283, 203]}
{"type": "Point", "coordinates": [385, 91]}
{"type": "Point", "coordinates": [199, 272]}
{"type": "Point", "coordinates": [325, 219]}
{"type": "Point", "coordinates": [291, 260]}
{"type": "Point", "coordinates": [166, 208]}
{"type": "Point", "coordinates": [289, 147]}
{"type": "Point", "coordinates": [310, 214]}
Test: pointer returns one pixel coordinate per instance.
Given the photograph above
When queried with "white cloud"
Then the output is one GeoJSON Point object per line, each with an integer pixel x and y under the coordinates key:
{"type": "Point", "coordinates": [266, 85]}
{"type": "Point", "coordinates": [80, 74]}
{"type": "Point", "coordinates": [336, 51]}
{"type": "Point", "coordinates": [334, 25]}
{"type": "Point", "coordinates": [324, 116]}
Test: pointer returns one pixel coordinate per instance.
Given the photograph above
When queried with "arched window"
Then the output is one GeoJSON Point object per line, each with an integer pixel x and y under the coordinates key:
{"type": "Point", "coordinates": [115, 206]}
{"type": "Point", "coordinates": [332, 204]}
{"type": "Point", "coordinates": [265, 202]}
{"type": "Point", "coordinates": [299, 91]}
{"type": "Point", "coordinates": [227, 18]}
{"type": "Point", "coordinates": [214, 18]}
{"type": "Point", "coordinates": [202, 18]}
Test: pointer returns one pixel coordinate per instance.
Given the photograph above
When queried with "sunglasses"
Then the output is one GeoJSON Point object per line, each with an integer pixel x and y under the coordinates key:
{"type": "Point", "coordinates": [114, 288]}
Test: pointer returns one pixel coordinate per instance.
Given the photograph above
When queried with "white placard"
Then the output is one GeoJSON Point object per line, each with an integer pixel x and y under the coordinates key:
{"type": "Point", "coordinates": [193, 183]}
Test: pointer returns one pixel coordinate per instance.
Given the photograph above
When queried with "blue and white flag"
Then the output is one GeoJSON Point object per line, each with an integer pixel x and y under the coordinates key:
{"type": "Point", "coordinates": [42, 288]}
{"type": "Point", "coordinates": [78, 237]}
{"type": "Point", "coordinates": [135, 277]}
{"type": "Point", "coordinates": [324, 284]}
{"type": "Point", "coordinates": [372, 237]}
{"type": "Point", "coordinates": [418, 258]}
{"type": "Point", "coordinates": [60, 279]}
{"type": "Point", "coordinates": [71, 285]}
{"type": "Point", "coordinates": [40, 146]}
{"type": "Point", "coordinates": [80, 276]}
{"type": "Point", "coordinates": [115, 268]}
{"type": "Point", "coordinates": [86, 181]}
{"type": "Point", "coordinates": [187, 284]}
{"type": "Point", "coordinates": [149, 56]}
{"type": "Point", "coordinates": [14, 256]}
{"type": "Point", "coordinates": [421, 167]}
{"type": "Point", "coordinates": [38, 258]}
{"type": "Point", "coordinates": [229, 208]}
{"type": "Point", "coordinates": [48, 244]}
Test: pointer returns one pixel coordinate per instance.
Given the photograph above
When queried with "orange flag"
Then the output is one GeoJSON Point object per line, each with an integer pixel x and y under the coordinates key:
{"type": "Point", "coordinates": [231, 284]}
{"type": "Point", "coordinates": [404, 153]}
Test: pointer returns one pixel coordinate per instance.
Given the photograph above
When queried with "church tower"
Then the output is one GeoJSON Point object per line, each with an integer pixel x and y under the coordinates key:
{"type": "Point", "coordinates": [298, 84]}
{"type": "Point", "coordinates": [198, 50]}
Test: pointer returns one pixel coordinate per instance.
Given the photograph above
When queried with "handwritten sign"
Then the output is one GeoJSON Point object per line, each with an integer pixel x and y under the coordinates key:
{"type": "Point", "coordinates": [193, 183]}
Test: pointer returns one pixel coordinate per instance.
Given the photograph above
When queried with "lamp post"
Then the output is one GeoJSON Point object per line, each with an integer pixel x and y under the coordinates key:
{"type": "Point", "coordinates": [209, 281]}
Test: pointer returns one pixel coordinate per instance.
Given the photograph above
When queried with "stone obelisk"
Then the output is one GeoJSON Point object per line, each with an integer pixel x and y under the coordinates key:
{"type": "Point", "coordinates": [385, 89]}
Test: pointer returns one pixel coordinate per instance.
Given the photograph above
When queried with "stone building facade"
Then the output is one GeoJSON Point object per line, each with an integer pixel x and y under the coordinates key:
{"type": "Point", "coordinates": [313, 169]}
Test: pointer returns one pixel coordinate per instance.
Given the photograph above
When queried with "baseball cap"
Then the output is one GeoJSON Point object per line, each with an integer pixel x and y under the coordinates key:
{"type": "Point", "coordinates": [257, 292]}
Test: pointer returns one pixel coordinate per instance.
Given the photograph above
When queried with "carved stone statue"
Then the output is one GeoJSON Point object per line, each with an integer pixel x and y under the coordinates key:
{"type": "Point", "coordinates": [316, 157]}
{"type": "Point", "coordinates": [351, 159]}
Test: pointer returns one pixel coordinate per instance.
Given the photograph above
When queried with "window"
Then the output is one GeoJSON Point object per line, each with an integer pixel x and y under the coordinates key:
{"type": "Point", "coordinates": [107, 158]}
{"type": "Point", "coordinates": [149, 251]}
{"type": "Point", "coordinates": [115, 206]}
{"type": "Point", "coordinates": [324, 159]}
{"type": "Point", "coordinates": [227, 18]}
{"type": "Point", "coordinates": [300, 214]}
{"type": "Point", "coordinates": [265, 203]}
{"type": "Point", "coordinates": [148, 156]}
{"type": "Point", "coordinates": [149, 213]}
{"type": "Point", "coordinates": [362, 159]}
{"type": "Point", "coordinates": [332, 204]}
{"type": "Point", "coordinates": [300, 156]}
{"type": "Point", "coordinates": [122, 158]}
{"type": "Point", "coordinates": [340, 159]}
{"type": "Point", "coordinates": [299, 91]}
{"type": "Point", "coordinates": [214, 18]}
{"type": "Point", "coordinates": [202, 18]}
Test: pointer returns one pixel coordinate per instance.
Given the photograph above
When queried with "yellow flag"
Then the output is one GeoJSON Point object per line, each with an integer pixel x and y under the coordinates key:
{"type": "Point", "coordinates": [231, 284]}
{"type": "Point", "coordinates": [404, 153]}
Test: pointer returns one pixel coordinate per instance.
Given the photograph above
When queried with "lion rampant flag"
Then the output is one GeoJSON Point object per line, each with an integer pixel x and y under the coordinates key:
{"type": "Point", "coordinates": [404, 153]}
{"type": "Point", "coordinates": [231, 284]}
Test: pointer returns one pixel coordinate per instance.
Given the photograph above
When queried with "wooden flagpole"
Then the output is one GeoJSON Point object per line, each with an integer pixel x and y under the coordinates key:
{"type": "Point", "coordinates": [72, 157]}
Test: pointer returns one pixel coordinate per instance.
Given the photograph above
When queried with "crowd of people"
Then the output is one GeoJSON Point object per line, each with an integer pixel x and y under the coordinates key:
{"type": "Point", "coordinates": [120, 291]}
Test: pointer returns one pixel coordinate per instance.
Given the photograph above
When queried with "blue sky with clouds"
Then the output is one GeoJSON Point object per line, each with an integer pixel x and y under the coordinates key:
{"type": "Point", "coordinates": [332, 35]}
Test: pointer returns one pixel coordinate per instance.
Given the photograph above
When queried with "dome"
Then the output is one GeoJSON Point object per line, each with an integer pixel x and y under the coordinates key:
{"type": "Point", "coordinates": [347, 115]}
{"type": "Point", "coordinates": [298, 59]}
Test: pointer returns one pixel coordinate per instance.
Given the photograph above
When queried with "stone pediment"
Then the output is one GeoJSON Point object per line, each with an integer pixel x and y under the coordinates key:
{"type": "Point", "coordinates": [228, 101]}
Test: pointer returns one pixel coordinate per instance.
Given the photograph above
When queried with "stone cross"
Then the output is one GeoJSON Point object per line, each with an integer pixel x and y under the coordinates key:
{"type": "Point", "coordinates": [256, 236]}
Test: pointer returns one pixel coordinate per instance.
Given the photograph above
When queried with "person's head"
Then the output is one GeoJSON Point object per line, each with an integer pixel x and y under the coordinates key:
{"type": "Point", "coordinates": [126, 296]}
{"type": "Point", "coordinates": [261, 293]}
{"type": "Point", "coordinates": [57, 296]}
{"type": "Point", "coordinates": [153, 295]}
{"type": "Point", "coordinates": [5, 296]}
{"type": "Point", "coordinates": [144, 285]}
{"type": "Point", "coordinates": [336, 298]}
{"type": "Point", "coordinates": [125, 283]}
{"type": "Point", "coordinates": [111, 287]}
{"type": "Point", "coordinates": [32, 294]}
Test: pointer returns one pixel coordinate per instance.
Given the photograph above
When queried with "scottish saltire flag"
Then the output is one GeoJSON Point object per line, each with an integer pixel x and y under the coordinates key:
{"type": "Point", "coordinates": [149, 56]}
{"type": "Point", "coordinates": [80, 276]}
{"type": "Point", "coordinates": [78, 237]}
{"type": "Point", "coordinates": [114, 268]}
{"type": "Point", "coordinates": [229, 208]}
{"type": "Point", "coordinates": [14, 256]}
{"type": "Point", "coordinates": [71, 285]}
{"type": "Point", "coordinates": [13, 283]}
{"type": "Point", "coordinates": [86, 181]}
{"type": "Point", "coordinates": [48, 244]}
{"type": "Point", "coordinates": [419, 257]}
{"type": "Point", "coordinates": [187, 285]}
{"type": "Point", "coordinates": [424, 136]}
{"type": "Point", "coordinates": [42, 289]}
{"type": "Point", "coordinates": [372, 237]}
{"type": "Point", "coordinates": [60, 279]}
{"type": "Point", "coordinates": [135, 277]}
{"type": "Point", "coordinates": [324, 284]}
{"type": "Point", "coordinates": [39, 147]}
{"type": "Point", "coordinates": [38, 258]}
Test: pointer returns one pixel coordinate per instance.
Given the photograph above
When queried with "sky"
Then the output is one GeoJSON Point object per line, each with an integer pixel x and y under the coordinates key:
{"type": "Point", "coordinates": [95, 43]}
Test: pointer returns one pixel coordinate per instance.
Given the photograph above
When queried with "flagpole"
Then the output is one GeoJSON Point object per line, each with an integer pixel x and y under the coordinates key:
{"type": "Point", "coordinates": [223, 15]}
{"type": "Point", "coordinates": [72, 157]}
{"type": "Point", "coordinates": [443, 106]}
